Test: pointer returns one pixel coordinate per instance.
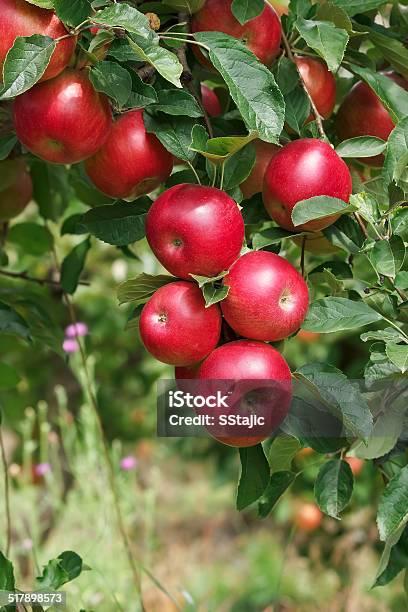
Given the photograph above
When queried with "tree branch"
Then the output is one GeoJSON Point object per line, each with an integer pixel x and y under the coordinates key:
{"type": "Point", "coordinates": [33, 279]}
{"type": "Point", "coordinates": [315, 112]}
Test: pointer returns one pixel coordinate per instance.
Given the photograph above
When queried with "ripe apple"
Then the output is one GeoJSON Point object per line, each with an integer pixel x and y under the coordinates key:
{"type": "Point", "coordinates": [63, 120]}
{"type": "Point", "coordinates": [19, 18]}
{"type": "Point", "coordinates": [320, 83]}
{"type": "Point", "coordinates": [268, 298]}
{"type": "Point", "coordinates": [176, 327]}
{"type": "Point", "coordinates": [211, 102]}
{"type": "Point", "coordinates": [185, 375]}
{"type": "Point", "coordinates": [308, 517]}
{"type": "Point", "coordinates": [254, 183]}
{"type": "Point", "coordinates": [355, 464]}
{"type": "Point", "coordinates": [194, 229]}
{"type": "Point", "coordinates": [256, 379]}
{"type": "Point", "coordinates": [262, 35]}
{"type": "Point", "coordinates": [303, 169]}
{"type": "Point", "coordinates": [362, 114]}
{"type": "Point", "coordinates": [16, 188]}
{"type": "Point", "coordinates": [305, 452]}
{"type": "Point", "coordinates": [131, 162]}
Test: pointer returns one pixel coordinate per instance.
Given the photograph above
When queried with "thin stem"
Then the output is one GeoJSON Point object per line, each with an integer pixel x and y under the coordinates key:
{"type": "Point", "coordinates": [33, 279]}
{"type": "Point", "coordinates": [312, 104]}
{"type": "Point", "coordinates": [222, 176]}
{"type": "Point", "coordinates": [191, 42]}
{"type": "Point", "coordinates": [194, 172]}
{"type": "Point", "coordinates": [397, 328]}
{"type": "Point", "coordinates": [361, 224]}
{"type": "Point", "coordinates": [6, 494]}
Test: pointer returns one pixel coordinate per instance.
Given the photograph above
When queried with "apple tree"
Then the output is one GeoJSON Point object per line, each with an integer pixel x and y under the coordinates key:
{"type": "Point", "coordinates": [245, 147]}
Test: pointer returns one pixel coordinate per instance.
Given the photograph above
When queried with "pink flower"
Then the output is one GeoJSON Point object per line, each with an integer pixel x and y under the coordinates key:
{"type": "Point", "coordinates": [70, 346]}
{"type": "Point", "coordinates": [76, 330]}
{"type": "Point", "coordinates": [41, 469]}
{"type": "Point", "coordinates": [128, 463]}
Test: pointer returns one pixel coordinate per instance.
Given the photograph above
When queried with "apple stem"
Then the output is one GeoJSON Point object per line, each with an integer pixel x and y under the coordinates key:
{"type": "Point", "coordinates": [315, 112]}
{"type": "Point", "coordinates": [361, 224]}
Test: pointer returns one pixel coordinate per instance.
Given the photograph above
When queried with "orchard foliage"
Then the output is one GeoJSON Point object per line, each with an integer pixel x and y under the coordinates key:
{"type": "Point", "coordinates": [142, 55]}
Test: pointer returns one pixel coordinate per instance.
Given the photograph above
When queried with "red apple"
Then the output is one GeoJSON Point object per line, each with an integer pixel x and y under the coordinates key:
{"type": "Point", "coordinates": [131, 162]}
{"type": "Point", "coordinates": [256, 379]}
{"type": "Point", "coordinates": [301, 170]}
{"type": "Point", "coordinates": [63, 120]}
{"type": "Point", "coordinates": [195, 230]}
{"type": "Point", "coordinates": [308, 517]}
{"type": "Point", "coordinates": [254, 183]}
{"type": "Point", "coordinates": [19, 18]}
{"type": "Point", "coordinates": [16, 188]}
{"type": "Point", "coordinates": [176, 327]}
{"type": "Point", "coordinates": [262, 35]}
{"type": "Point", "coordinates": [320, 83]}
{"type": "Point", "coordinates": [186, 376]}
{"type": "Point", "coordinates": [211, 102]}
{"type": "Point", "coordinates": [363, 114]}
{"type": "Point", "coordinates": [268, 298]}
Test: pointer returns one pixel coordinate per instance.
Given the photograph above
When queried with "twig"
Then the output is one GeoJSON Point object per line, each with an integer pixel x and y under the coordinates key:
{"type": "Point", "coordinates": [6, 494]}
{"type": "Point", "coordinates": [312, 104]}
{"type": "Point", "coordinates": [33, 279]}
{"type": "Point", "coordinates": [187, 77]}
{"type": "Point", "coordinates": [146, 72]}
{"type": "Point", "coordinates": [361, 224]}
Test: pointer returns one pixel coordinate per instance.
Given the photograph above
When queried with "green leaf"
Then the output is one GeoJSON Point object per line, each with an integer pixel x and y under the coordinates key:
{"type": "Point", "coordinates": [244, 10]}
{"type": "Point", "coordinates": [142, 94]}
{"type": "Point", "coordinates": [213, 294]}
{"type": "Point", "coordinates": [362, 146]}
{"type": "Point", "coordinates": [367, 206]}
{"type": "Point", "coordinates": [178, 102]}
{"type": "Point", "coordinates": [218, 149]}
{"type": "Point", "coordinates": [392, 50]}
{"type": "Point", "coordinates": [393, 97]}
{"type": "Point", "coordinates": [112, 80]}
{"type": "Point", "coordinates": [328, 11]}
{"type": "Point", "coordinates": [396, 151]}
{"type": "Point", "coordinates": [117, 224]}
{"type": "Point", "coordinates": [34, 239]}
{"type": "Point", "coordinates": [394, 558]}
{"type": "Point", "coordinates": [279, 483]}
{"type": "Point", "coordinates": [46, 4]}
{"type": "Point", "coordinates": [72, 12]}
{"type": "Point", "coordinates": [173, 132]}
{"type": "Point", "coordinates": [282, 451]}
{"type": "Point", "coordinates": [297, 108]}
{"type": "Point", "coordinates": [7, 581]}
{"type": "Point", "coordinates": [138, 290]}
{"type": "Point", "coordinates": [398, 354]}
{"type": "Point", "coordinates": [342, 396]}
{"type": "Point", "coordinates": [319, 207]}
{"type": "Point", "coordinates": [12, 323]}
{"type": "Point", "coordinates": [393, 505]}
{"type": "Point", "coordinates": [25, 64]}
{"type": "Point", "coordinates": [254, 475]}
{"type": "Point", "coordinates": [72, 266]}
{"type": "Point", "coordinates": [268, 237]}
{"type": "Point", "coordinates": [386, 431]}
{"type": "Point", "coordinates": [9, 377]}
{"type": "Point", "coordinates": [387, 256]}
{"type": "Point", "coordinates": [127, 17]}
{"type": "Point", "coordinates": [334, 487]}
{"type": "Point", "coordinates": [389, 334]}
{"type": "Point", "coordinates": [346, 234]}
{"type": "Point", "coordinates": [205, 280]}
{"type": "Point", "coordinates": [238, 167]}
{"type": "Point", "coordinates": [352, 7]}
{"type": "Point", "coordinates": [58, 572]}
{"type": "Point", "coordinates": [7, 144]}
{"type": "Point", "coordinates": [251, 84]}
{"type": "Point", "coordinates": [324, 38]}
{"type": "Point", "coordinates": [164, 61]}
{"type": "Point", "coordinates": [334, 314]}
